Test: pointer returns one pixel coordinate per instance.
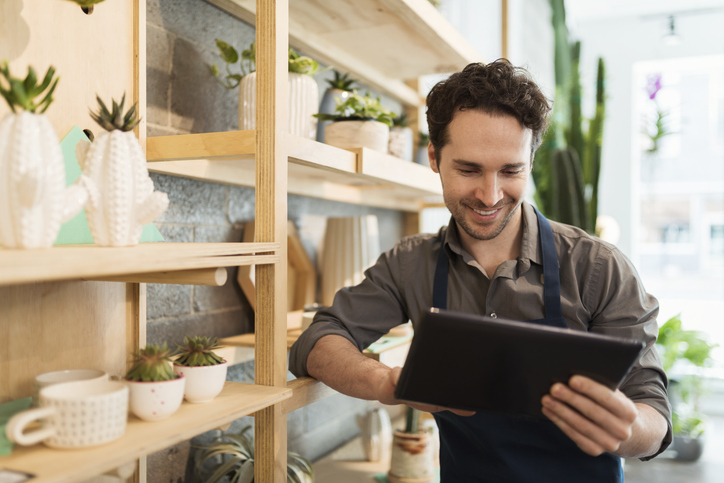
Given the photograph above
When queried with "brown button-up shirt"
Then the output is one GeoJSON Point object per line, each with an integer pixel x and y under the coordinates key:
{"type": "Point", "coordinates": [600, 292]}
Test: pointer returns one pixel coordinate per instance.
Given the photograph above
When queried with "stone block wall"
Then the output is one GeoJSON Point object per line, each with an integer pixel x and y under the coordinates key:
{"type": "Point", "coordinates": [184, 98]}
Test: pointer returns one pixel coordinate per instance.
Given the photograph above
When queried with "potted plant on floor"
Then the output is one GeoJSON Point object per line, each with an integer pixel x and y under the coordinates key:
{"type": "Point", "coordinates": [121, 196]}
{"type": "Point", "coordinates": [359, 121]}
{"type": "Point", "coordinates": [400, 144]}
{"type": "Point", "coordinates": [205, 372]}
{"type": "Point", "coordinates": [303, 90]}
{"type": "Point", "coordinates": [412, 452]}
{"type": "Point", "coordinates": [684, 354]}
{"type": "Point", "coordinates": [155, 391]}
{"type": "Point", "coordinates": [339, 89]}
{"type": "Point", "coordinates": [35, 199]}
{"type": "Point", "coordinates": [233, 456]}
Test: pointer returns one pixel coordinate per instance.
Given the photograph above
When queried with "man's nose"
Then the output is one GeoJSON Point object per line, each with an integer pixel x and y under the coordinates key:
{"type": "Point", "coordinates": [490, 191]}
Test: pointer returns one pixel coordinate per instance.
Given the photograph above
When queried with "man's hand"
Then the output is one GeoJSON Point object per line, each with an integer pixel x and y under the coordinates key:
{"type": "Point", "coordinates": [386, 395]}
{"type": "Point", "coordinates": [600, 420]}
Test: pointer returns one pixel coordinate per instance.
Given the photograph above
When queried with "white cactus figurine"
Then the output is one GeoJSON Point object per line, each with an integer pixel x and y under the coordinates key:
{"type": "Point", "coordinates": [35, 200]}
{"type": "Point", "coordinates": [121, 197]}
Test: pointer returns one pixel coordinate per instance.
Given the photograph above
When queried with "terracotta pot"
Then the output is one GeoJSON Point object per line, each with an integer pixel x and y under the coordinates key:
{"type": "Point", "coordinates": [358, 134]}
{"type": "Point", "coordinates": [303, 104]}
{"type": "Point", "coordinates": [412, 458]}
{"type": "Point", "coordinates": [203, 383]}
{"type": "Point", "coordinates": [154, 401]}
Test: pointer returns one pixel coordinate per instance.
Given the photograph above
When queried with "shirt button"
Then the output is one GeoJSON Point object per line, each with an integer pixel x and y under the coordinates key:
{"type": "Point", "coordinates": [493, 315]}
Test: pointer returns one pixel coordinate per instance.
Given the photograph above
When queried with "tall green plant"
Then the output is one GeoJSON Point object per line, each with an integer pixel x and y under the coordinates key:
{"type": "Point", "coordinates": [567, 165]}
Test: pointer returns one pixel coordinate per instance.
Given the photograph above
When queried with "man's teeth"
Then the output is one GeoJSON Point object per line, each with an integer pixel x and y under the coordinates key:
{"type": "Point", "coordinates": [484, 213]}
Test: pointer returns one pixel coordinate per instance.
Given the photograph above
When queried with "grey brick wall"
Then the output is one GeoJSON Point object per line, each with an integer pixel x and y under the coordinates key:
{"type": "Point", "coordinates": [184, 98]}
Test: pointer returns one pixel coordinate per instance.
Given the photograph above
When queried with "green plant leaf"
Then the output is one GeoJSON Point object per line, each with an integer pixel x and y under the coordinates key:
{"type": "Point", "coordinates": [227, 52]}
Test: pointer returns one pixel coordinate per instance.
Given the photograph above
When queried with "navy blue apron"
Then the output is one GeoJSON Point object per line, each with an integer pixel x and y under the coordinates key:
{"type": "Point", "coordinates": [494, 447]}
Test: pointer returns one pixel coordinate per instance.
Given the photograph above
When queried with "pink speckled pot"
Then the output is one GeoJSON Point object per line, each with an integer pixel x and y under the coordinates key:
{"type": "Point", "coordinates": [153, 401]}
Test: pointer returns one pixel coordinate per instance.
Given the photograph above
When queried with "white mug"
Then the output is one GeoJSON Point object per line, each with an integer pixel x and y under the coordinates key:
{"type": "Point", "coordinates": [74, 415]}
{"type": "Point", "coordinates": [56, 377]}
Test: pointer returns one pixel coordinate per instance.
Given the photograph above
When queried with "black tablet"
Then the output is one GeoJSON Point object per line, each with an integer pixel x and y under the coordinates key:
{"type": "Point", "coordinates": [479, 363]}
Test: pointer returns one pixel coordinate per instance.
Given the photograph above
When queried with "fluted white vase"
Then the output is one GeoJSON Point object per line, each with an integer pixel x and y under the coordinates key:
{"type": "Point", "coordinates": [351, 246]}
{"type": "Point", "coordinates": [303, 104]}
{"type": "Point", "coordinates": [35, 201]}
{"type": "Point", "coordinates": [121, 194]}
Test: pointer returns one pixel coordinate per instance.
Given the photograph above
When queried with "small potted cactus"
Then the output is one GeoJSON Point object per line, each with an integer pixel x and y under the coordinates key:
{"type": "Point", "coordinates": [35, 199]}
{"type": "Point", "coordinates": [205, 372]}
{"type": "Point", "coordinates": [155, 391]}
{"type": "Point", "coordinates": [339, 89]}
{"type": "Point", "coordinates": [121, 196]}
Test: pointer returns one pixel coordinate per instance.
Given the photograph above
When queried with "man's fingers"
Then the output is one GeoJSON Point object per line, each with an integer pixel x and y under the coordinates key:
{"type": "Point", "coordinates": [586, 445]}
{"type": "Point", "coordinates": [395, 375]}
{"type": "Point", "coordinates": [571, 421]}
{"type": "Point", "coordinates": [613, 401]}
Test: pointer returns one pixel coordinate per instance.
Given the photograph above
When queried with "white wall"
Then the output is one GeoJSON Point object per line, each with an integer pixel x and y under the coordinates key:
{"type": "Point", "coordinates": [622, 41]}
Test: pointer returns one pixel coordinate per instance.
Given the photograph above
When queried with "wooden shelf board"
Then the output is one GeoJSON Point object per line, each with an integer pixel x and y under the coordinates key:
{"type": "Point", "coordinates": [355, 35]}
{"type": "Point", "coordinates": [360, 176]}
{"type": "Point", "coordinates": [75, 262]}
{"type": "Point", "coordinates": [142, 437]}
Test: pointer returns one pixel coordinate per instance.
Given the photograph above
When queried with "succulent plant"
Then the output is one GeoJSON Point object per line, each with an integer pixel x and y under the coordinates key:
{"type": "Point", "coordinates": [400, 121]}
{"type": "Point", "coordinates": [197, 351]}
{"type": "Point", "coordinates": [152, 363]}
{"type": "Point", "coordinates": [359, 107]}
{"type": "Point", "coordinates": [22, 94]}
{"type": "Point", "coordinates": [114, 119]}
{"type": "Point", "coordinates": [341, 82]}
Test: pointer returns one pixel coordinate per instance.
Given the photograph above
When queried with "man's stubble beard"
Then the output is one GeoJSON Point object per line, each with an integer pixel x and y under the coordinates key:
{"type": "Point", "coordinates": [459, 216]}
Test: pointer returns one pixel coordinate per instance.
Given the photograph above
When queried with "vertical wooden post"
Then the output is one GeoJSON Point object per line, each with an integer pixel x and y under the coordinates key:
{"type": "Point", "coordinates": [272, 30]}
{"type": "Point", "coordinates": [504, 28]}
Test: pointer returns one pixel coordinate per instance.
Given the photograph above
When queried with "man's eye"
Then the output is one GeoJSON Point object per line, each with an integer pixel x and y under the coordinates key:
{"type": "Point", "coordinates": [512, 173]}
{"type": "Point", "coordinates": [465, 172]}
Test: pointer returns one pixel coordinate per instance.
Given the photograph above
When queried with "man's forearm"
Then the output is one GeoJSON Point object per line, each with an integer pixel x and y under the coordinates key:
{"type": "Point", "coordinates": [339, 364]}
{"type": "Point", "coordinates": [647, 433]}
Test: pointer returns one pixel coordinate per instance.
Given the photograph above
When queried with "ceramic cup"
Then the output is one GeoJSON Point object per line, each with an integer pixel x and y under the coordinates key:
{"type": "Point", "coordinates": [203, 383]}
{"type": "Point", "coordinates": [74, 415]}
{"type": "Point", "coordinates": [71, 375]}
{"type": "Point", "coordinates": [154, 401]}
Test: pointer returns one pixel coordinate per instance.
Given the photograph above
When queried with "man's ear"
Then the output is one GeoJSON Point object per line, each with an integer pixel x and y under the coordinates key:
{"type": "Point", "coordinates": [431, 158]}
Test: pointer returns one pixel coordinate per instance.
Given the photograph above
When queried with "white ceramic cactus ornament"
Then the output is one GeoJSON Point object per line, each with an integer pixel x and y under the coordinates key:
{"type": "Point", "coordinates": [121, 196]}
{"type": "Point", "coordinates": [35, 200]}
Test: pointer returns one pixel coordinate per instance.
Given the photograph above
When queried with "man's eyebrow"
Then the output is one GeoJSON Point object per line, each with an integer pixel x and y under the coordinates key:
{"type": "Point", "coordinates": [471, 164]}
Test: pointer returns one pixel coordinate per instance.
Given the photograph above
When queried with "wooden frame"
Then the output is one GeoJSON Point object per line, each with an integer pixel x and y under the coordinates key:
{"type": "Point", "coordinates": [301, 274]}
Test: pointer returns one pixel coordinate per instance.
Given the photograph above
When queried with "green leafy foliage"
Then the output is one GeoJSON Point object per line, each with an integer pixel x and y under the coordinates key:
{"type": "Point", "coordinates": [22, 93]}
{"type": "Point", "coordinates": [400, 121]}
{"type": "Point", "coordinates": [423, 139]}
{"type": "Point", "coordinates": [152, 363]}
{"type": "Point", "coordinates": [358, 107]}
{"type": "Point", "coordinates": [412, 420]}
{"type": "Point", "coordinates": [341, 82]}
{"type": "Point", "coordinates": [675, 345]}
{"type": "Point", "coordinates": [298, 64]}
{"type": "Point", "coordinates": [198, 351]}
{"type": "Point", "coordinates": [114, 118]}
{"type": "Point", "coordinates": [232, 455]}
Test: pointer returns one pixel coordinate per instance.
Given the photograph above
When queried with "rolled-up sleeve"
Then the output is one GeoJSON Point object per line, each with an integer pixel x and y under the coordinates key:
{"type": "Point", "coordinates": [623, 308]}
{"type": "Point", "coordinates": [361, 314]}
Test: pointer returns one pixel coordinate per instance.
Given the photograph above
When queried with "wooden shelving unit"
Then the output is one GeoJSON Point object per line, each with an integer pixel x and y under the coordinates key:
{"type": "Point", "coordinates": [143, 437]}
{"type": "Point", "coordinates": [362, 176]}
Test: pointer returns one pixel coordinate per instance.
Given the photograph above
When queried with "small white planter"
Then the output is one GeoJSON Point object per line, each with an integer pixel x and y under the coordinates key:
{"type": "Point", "coordinates": [303, 104]}
{"type": "Point", "coordinates": [401, 143]}
{"type": "Point", "coordinates": [203, 383]}
{"type": "Point", "coordinates": [376, 433]}
{"type": "Point", "coordinates": [35, 201]}
{"type": "Point", "coordinates": [154, 401]}
{"type": "Point", "coordinates": [358, 134]}
{"type": "Point", "coordinates": [412, 458]}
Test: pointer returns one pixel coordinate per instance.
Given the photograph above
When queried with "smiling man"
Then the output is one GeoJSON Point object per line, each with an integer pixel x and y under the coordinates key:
{"type": "Point", "coordinates": [485, 124]}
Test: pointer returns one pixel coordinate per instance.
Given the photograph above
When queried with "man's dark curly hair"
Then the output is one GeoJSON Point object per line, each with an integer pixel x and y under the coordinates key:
{"type": "Point", "coordinates": [497, 88]}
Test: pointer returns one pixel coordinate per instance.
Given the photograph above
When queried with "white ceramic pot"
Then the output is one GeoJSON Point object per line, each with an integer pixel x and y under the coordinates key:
{"type": "Point", "coordinates": [35, 200]}
{"type": "Point", "coordinates": [327, 106]}
{"type": "Point", "coordinates": [154, 401]}
{"type": "Point", "coordinates": [303, 104]}
{"type": "Point", "coordinates": [358, 134]}
{"type": "Point", "coordinates": [412, 458]}
{"type": "Point", "coordinates": [121, 196]}
{"type": "Point", "coordinates": [400, 144]}
{"type": "Point", "coordinates": [75, 415]}
{"type": "Point", "coordinates": [203, 383]}
{"type": "Point", "coordinates": [376, 433]}
{"type": "Point", "coordinates": [71, 375]}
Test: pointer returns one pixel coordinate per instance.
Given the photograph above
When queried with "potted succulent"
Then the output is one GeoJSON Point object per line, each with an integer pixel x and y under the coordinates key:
{"type": "Point", "coordinates": [35, 199]}
{"type": "Point", "coordinates": [303, 90]}
{"type": "Point", "coordinates": [684, 353]}
{"type": "Point", "coordinates": [205, 372]}
{"type": "Point", "coordinates": [400, 144]}
{"type": "Point", "coordinates": [121, 196]}
{"type": "Point", "coordinates": [236, 452]}
{"type": "Point", "coordinates": [423, 140]}
{"type": "Point", "coordinates": [413, 458]}
{"type": "Point", "coordinates": [155, 391]}
{"type": "Point", "coordinates": [358, 121]}
{"type": "Point", "coordinates": [339, 89]}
